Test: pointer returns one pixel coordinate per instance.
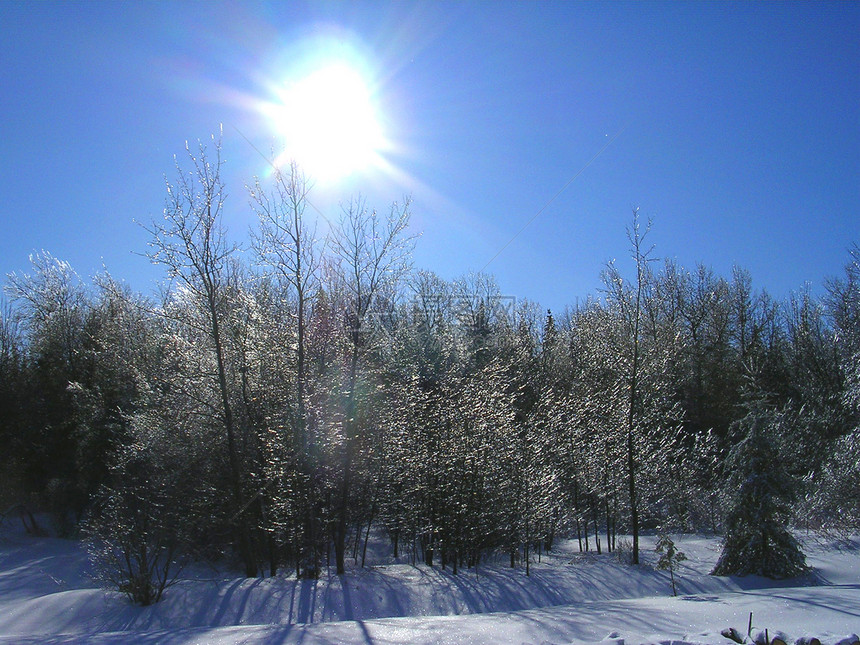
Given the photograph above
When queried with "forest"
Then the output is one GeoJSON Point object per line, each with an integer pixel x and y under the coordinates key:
{"type": "Point", "coordinates": [272, 407]}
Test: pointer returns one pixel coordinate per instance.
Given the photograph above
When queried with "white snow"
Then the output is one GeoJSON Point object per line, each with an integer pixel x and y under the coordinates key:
{"type": "Point", "coordinates": [47, 596]}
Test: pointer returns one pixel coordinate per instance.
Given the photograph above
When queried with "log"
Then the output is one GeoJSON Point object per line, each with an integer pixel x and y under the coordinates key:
{"type": "Point", "coordinates": [760, 637]}
{"type": "Point", "coordinates": [732, 634]}
{"type": "Point", "coordinates": [851, 639]}
{"type": "Point", "coordinates": [779, 638]}
{"type": "Point", "coordinates": [765, 637]}
{"type": "Point", "coordinates": [807, 640]}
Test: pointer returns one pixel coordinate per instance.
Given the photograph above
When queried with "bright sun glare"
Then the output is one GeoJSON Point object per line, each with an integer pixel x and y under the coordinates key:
{"type": "Point", "coordinates": [329, 122]}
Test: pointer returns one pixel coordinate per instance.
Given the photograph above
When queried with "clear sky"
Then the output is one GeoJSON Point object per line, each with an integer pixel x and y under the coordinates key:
{"type": "Point", "coordinates": [735, 126]}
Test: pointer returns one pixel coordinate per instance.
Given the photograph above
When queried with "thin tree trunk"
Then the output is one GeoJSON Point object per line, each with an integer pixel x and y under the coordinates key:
{"type": "Point", "coordinates": [526, 549]}
{"type": "Point", "coordinates": [245, 542]}
{"type": "Point", "coordinates": [576, 513]}
{"type": "Point", "coordinates": [340, 528]}
{"type": "Point", "coordinates": [631, 463]}
{"type": "Point", "coordinates": [356, 542]}
{"type": "Point", "coordinates": [608, 527]}
{"type": "Point", "coordinates": [584, 532]}
{"type": "Point", "coordinates": [349, 432]}
{"type": "Point", "coordinates": [367, 533]}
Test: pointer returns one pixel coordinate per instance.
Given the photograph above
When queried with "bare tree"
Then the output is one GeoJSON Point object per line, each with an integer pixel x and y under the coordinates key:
{"type": "Point", "coordinates": [372, 252]}
{"type": "Point", "coordinates": [287, 246]}
{"type": "Point", "coordinates": [630, 301]}
{"type": "Point", "coordinates": [191, 242]}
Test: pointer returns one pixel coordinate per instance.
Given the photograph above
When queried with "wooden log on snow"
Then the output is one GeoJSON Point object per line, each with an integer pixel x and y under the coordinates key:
{"type": "Point", "coordinates": [779, 638]}
{"type": "Point", "coordinates": [807, 640]}
{"type": "Point", "coordinates": [732, 634]}
{"type": "Point", "coordinates": [851, 639]}
{"type": "Point", "coordinates": [766, 637]}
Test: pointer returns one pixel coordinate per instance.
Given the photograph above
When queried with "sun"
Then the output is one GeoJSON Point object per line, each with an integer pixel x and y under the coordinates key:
{"type": "Point", "coordinates": [329, 123]}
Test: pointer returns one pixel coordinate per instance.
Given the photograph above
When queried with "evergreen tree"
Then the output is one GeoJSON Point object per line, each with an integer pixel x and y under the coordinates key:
{"type": "Point", "coordinates": [53, 304]}
{"type": "Point", "coordinates": [757, 539]}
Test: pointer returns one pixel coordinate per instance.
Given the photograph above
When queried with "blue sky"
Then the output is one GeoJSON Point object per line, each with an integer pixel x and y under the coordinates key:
{"type": "Point", "coordinates": [739, 129]}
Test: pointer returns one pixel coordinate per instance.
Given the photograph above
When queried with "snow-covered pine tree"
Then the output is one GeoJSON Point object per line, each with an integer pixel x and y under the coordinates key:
{"type": "Point", "coordinates": [760, 492]}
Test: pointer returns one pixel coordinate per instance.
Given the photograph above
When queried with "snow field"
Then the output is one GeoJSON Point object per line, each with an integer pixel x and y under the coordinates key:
{"type": "Point", "coordinates": [47, 596]}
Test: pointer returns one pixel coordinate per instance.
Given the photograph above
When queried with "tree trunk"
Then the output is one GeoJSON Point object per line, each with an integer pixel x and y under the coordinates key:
{"type": "Point", "coordinates": [634, 384]}
{"type": "Point", "coordinates": [246, 550]}
{"type": "Point", "coordinates": [340, 528]}
{"type": "Point", "coordinates": [349, 438]}
{"type": "Point", "coordinates": [367, 533]}
{"type": "Point", "coordinates": [526, 549]}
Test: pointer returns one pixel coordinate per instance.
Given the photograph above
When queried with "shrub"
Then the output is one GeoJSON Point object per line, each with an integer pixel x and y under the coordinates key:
{"type": "Point", "coordinates": [134, 533]}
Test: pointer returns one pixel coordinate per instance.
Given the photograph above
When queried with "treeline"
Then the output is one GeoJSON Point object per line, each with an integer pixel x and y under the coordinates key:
{"type": "Point", "coordinates": [275, 405]}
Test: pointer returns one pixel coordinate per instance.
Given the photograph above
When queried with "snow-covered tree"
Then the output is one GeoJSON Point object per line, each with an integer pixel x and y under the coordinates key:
{"type": "Point", "coordinates": [760, 491]}
{"type": "Point", "coordinates": [191, 242]}
{"type": "Point", "coordinates": [290, 256]}
{"type": "Point", "coordinates": [53, 305]}
{"type": "Point", "coordinates": [371, 253]}
{"type": "Point", "coordinates": [670, 557]}
{"type": "Point", "coordinates": [15, 398]}
{"type": "Point", "coordinates": [835, 496]}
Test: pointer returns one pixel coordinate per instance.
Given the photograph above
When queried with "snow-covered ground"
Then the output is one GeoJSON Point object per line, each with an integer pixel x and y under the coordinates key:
{"type": "Point", "coordinates": [47, 596]}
